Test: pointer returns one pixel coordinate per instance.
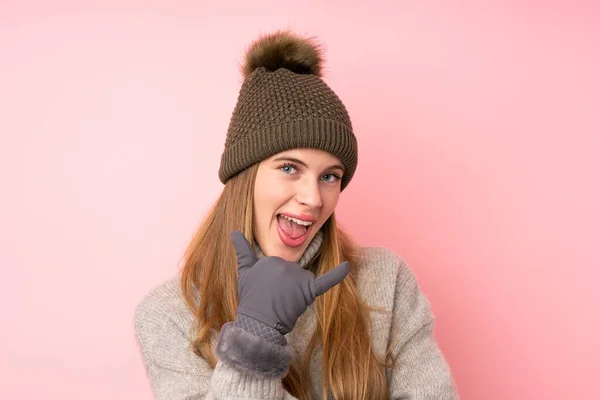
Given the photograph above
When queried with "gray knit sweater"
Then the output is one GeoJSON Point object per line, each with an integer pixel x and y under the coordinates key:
{"type": "Point", "coordinates": [163, 321]}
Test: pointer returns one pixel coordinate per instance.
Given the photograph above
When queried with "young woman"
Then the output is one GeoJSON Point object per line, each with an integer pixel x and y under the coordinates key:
{"type": "Point", "coordinates": [275, 301]}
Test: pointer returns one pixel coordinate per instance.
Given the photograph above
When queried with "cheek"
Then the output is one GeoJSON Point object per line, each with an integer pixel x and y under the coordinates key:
{"type": "Point", "coordinates": [268, 198]}
{"type": "Point", "coordinates": [271, 192]}
{"type": "Point", "coordinates": [330, 201]}
{"type": "Point", "coordinates": [261, 209]}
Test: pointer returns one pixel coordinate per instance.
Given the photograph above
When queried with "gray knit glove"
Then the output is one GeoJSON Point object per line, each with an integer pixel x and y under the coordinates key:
{"type": "Point", "coordinates": [273, 292]}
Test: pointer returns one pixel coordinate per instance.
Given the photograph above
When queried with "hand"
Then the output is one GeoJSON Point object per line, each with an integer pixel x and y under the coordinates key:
{"type": "Point", "coordinates": [275, 291]}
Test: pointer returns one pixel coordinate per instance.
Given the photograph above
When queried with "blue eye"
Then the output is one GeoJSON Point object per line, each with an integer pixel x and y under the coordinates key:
{"type": "Point", "coordinates": [287, 168]}
{"type": "Point", "coordinates": [332, 177]}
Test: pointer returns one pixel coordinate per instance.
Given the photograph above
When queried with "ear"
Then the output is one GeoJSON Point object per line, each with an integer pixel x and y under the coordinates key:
{"type": "Point", "coordinates": [245, 253]}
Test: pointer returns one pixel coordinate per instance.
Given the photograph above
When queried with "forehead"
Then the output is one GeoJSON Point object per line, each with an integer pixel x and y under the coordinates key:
{"type": "Point", "coordinates": [309, 156]}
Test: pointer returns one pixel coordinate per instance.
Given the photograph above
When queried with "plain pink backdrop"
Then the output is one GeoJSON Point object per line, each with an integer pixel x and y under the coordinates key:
{"type": "Point", "coordinates": [478, 127]}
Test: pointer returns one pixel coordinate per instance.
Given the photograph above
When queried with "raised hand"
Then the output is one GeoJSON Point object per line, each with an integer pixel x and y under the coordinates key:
{"type": "Point", "coordinates": [275, 291]}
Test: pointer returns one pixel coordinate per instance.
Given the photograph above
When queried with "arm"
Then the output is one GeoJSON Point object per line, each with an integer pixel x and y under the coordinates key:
{"type": "Point", "coordinates": [253, 354]}
{"type": "Point", "coordinates": [177, 373]}
{"type": "Point", "coordinates": [421, 372]}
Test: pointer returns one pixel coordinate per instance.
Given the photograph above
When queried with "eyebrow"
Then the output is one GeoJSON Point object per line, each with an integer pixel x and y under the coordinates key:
{"type": "Point", "coordinates": [295, 160]}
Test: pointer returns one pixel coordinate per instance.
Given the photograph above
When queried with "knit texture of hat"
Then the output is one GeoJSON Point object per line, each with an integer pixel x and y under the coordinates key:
{"type": "Point", "coordinates": [284, 104]}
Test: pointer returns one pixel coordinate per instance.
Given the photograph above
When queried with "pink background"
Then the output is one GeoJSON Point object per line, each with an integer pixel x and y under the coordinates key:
{"type": "Point", "coordinates": [478, 129]}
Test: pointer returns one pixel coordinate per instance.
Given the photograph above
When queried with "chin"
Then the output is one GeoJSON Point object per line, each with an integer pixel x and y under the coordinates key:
{"type": "Point", "coordinates": [288, 254]}
{"type": "Point", "coordinates": [292, 255]}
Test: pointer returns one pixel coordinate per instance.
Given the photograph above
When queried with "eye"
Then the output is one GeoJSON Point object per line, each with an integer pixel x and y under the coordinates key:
{"type": "Point", "coordinates": [288, 168]}
{"type": "Point", "coordinates": [331, 177]}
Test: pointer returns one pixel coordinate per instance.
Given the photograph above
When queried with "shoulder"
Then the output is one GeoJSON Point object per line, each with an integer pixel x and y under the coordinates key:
{"type": "Point", "coordinates": [164, 332]}
{"type": "Point", "coordinates": [161, 306]}
{"type": "Point", "coordinates": [384, 278]}
{"type": "Point", "coordinates": [379, 258]}
{"type": "Point", "coordinates": [380, 265]}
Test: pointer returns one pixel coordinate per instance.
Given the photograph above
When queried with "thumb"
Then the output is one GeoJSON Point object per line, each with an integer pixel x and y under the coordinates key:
{"type": "Point", "coordinates": [245, 253]}
{"type": "Point", "coordinates": [330, 279]}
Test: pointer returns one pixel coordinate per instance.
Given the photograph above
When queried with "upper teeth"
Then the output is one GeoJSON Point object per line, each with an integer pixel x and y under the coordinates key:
{"type": "Point", "coordinates": [298, 221]}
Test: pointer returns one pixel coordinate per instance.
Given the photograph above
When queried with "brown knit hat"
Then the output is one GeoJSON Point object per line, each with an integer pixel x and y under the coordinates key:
{"type": "Point", "coordinates": [284, 104]}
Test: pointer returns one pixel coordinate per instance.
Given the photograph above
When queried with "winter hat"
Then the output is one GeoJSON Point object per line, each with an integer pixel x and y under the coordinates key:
{"type": "Point", "coordinates": [284, 104]}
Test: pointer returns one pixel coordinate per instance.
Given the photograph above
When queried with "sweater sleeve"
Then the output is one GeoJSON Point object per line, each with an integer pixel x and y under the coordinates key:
{"type": "Point", "coordinates": [177, 373]}
{"type": "Point", "coordinates": [421, 371]}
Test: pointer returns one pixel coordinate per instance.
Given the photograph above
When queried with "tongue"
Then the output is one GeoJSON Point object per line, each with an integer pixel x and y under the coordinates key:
{"type": "Point", "coordinates": [292, 229]}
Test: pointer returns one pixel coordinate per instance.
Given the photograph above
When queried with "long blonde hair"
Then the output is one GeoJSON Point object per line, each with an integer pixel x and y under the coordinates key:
{"type": "Point", "coordinates": [351, 369]}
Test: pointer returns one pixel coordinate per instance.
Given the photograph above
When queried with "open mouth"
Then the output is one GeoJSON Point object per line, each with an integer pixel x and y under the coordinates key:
{"type": "Point", "coordinates": [292, 231]}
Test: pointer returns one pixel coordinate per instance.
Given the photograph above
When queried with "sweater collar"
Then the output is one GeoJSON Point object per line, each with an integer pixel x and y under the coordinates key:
{"type": "Point", "coordinates": [309, 254]}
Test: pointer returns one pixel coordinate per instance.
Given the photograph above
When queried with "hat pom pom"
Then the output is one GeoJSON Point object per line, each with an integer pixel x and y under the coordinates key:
{"type": "Point", "coordinates": [284, 49]}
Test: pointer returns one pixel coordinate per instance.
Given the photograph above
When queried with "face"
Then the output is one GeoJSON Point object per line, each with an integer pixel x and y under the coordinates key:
{"type": "Point", "coordinates": [295, 192]}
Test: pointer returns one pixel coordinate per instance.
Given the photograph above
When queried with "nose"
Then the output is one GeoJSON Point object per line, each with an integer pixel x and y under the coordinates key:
{"type": "Point", "coordinates": [309, 193]}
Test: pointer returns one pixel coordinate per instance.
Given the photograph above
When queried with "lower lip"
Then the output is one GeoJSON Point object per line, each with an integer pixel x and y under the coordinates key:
{"type": "Point", "coordinates": [288, 240]}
